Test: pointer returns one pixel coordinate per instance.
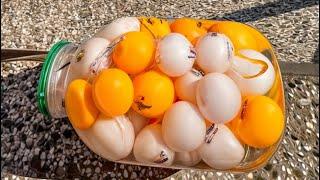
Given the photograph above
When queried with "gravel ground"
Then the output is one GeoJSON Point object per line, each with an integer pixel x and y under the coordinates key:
{"type": "Point", "coordinates": [33, 145]}
{"type": "Point", "coordinates": [292, 26]}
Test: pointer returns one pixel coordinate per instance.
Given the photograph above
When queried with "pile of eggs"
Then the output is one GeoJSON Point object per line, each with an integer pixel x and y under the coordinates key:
{"type": "Point", "coordinates": [174, 93]}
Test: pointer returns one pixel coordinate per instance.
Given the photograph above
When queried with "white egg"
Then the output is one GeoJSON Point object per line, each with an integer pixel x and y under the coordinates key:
{"type": "Point", "coordinates": [214, 52]}
{"type": "Point", "coordinates": [119, 27]}
{"type": "Point", "coordinates": [149, 147]}
{"type": "Point", "coordinates": [183, 127]}
{"type": "Point", "coordinates": [221, 149]}
{"type": "Point", "coordinates": [91, 57]}
{"type": "Point", "coordinates": [137, 120]}
{"type": "Point", "coordinates": [218, 98]}
{"type": "Point", "coordinates": [185, 86]}
{"type": "Point", "coordinates": [110, 138]}
{"type": "Point", "coordinates": [188, 158]}
{"type": "Point", "coordinates": [175, 55]}
{"type": "Point", "coordinates": [258, 85]}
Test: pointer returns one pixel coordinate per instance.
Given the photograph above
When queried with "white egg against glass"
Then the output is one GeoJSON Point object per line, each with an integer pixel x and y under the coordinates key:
{"type": "Point", "coordinates": [91, 57]}
{"type": "Point", "coordinates": [185, 86]}
{"type": "Point", "coordinates": [118, 27]}
{"type": "Point", "coordinates": [175, 55]}
{"type": "Point", "coordinates": [150, 148]}
{"type": "Point", "coordinates": [183, 127]}
{"type": "Point", "coordinates": [214, 52]}
{"type": "Point", "coordinates": [110, 138]}
{"type": "Point", "coordinates": [221, 149]}
{"type": "Point", "coordinates": [138, 121]}
{"type": "Point", "coordinates": [218, 98]}
{"type": "Point", "coordinates": [187, 158]}
{"type": "Point", "coordinates": [241, 67]}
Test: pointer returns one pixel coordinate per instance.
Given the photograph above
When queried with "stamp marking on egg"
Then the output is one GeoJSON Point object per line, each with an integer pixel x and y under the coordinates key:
{"type": "Point", "coordinates": [213, 34]}
{"type": "Point", "coordinates": [193, 53]}
{"type": "Point", "coordinates": [212, 130]}
{"type": "Point", "coordinates": [161, 158]}
{"type": "Point", "coordinates": [195, 72]}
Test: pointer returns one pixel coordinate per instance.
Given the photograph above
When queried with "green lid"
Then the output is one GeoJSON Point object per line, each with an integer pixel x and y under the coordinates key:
{"type": "Point", "coordinates": [43, 81]}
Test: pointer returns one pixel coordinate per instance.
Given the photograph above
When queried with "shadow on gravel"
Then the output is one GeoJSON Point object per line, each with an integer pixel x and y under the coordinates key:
{"type": "Point", "coordinates": [268, 9]}
{"type": "Point", "coordinates": [33, 145]}
{"type": "Point", "coordinates": [316, 56]}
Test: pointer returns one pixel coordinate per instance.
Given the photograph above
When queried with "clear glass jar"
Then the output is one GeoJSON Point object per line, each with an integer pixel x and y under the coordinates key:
{"type": "Point", "coordinates": [53, 78]}
{"type": "Point", "coordinates": [56, 74]}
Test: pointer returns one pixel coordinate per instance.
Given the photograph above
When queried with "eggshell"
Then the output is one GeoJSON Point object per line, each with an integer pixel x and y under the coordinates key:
{"type": "Point", "coordinates": [214, 52]}
{"type": "Point", "coordinates": [110, 138]}
{"type": "Point", "coordinates": [175, 55]}
{"type": "Point", "coordinates": [188, 158]}
{"type": "Point", "coordinates": [91, 57]}
{"type": "Point", "coordinates": [259, 85]}
{"type": "Point", "coordinates": [218, 98]}
{"type": "Point", "coordinates": [150, 148]}
{"type": "Point", "coordinates": [185, 86]}
{"type": "Point", "coordinates": [138, 121]}
{"type": "Point", "coordinates": [119, 27]}
{"type": "Point", "coordinates": [183, 127]}
{"type": "Point", "coordinates": [221, 149]}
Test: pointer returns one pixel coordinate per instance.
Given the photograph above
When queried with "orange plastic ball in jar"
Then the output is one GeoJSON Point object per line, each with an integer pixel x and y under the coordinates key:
{"type": "Point", "coordinates": [238, 33]}
{"type": "Point", "coordinates": [134, 53]}
{"type": "Point", "coordinates": [156, 27]}
{"type": "Point", "coordinates": [80, 107]}
{"type": "Point", "coordinates": [153, 93]}
{"type": "Point", "coordinates": [188, 27]}
{"type": "Point", "coordinates": [260, 123]}
{"type": "Point", "coordinates": [113, 92]}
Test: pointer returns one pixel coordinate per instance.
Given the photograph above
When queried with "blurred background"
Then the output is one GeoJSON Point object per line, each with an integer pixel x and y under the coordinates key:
{"type": "Point", "coordinates": [35, 146]}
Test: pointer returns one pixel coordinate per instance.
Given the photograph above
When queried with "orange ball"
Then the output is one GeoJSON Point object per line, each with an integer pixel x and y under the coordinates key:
{"type": "Point", "coordinates": [205, 23]}
{"type": "Point", "coordinates": [157, 28]}
{"type": "Point", "coordinates": [80, 107]}
{"type": "Point", "coordinates": [238, 33]}
{"type": "Point", "coordinates": [261, 123]}
{"type": "Point", "coordinates": [113, 92]}
{"type": "Point", "coordinates": [190, 28]}
{"type": "Point", "coordinates": [153, 93]}
{"type": "Point", "coordinates": [134, 53]}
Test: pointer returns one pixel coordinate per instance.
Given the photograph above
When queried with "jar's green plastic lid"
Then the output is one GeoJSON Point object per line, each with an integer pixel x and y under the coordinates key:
{"type": "Point", "coordinates": [43, 81]}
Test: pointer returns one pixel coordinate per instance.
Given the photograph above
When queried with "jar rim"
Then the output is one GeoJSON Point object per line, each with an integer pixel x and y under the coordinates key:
{"type": "Point", "coordinates": [43, 80]}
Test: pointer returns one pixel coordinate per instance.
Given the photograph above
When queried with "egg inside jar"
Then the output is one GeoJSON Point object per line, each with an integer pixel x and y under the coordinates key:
{"type": "Point", "coordinates": [180, 93]}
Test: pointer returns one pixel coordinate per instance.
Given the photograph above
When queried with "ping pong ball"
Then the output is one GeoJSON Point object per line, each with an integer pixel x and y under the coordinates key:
{"type": "Point", "coordinates": [111, 138]}
{"type": "Point", "coordinates": [91, 57]}
{"type": "Point", "coordinates": [112, 92]}
{"type": "Point", "coordinates": [138, 121]}
{"type": "Point", "coordinates": [149, 147]}
{"type": "Point", "coordinates": [218, 98]}
{"type": "Point", "coordinates": [214, 52]}
{"type": "Point", "coordinates": [175, 55]}
{"type": "Point", "coordinates": [80, 107]}
{"type": "Point", "coordinates": [262, 122]}
{"type": "Point", "coordinates": [258, 85]}
{"type": "Point", "coordinates": [153, 93]}
{"type": "Point", "coordinates": [183, 127]}
{"type": "Point", "coordinates": [134, 53]}
{"type": "Point", "coordinates": [187, 158]}
{"type": "Point", "coordinates": [119, 27]}
{"type": "Point", "coordinates": [221, 149]}
{"type": "Point", "coordinates": [185, 86]}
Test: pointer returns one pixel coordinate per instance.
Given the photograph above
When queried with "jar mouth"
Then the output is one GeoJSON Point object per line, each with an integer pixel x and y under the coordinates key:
{"type": "Point", "coordinates": [43, 80]}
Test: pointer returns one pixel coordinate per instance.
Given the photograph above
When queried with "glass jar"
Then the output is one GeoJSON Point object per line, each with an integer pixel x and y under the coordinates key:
{"type": "Point", "coordinates": [56, 74]}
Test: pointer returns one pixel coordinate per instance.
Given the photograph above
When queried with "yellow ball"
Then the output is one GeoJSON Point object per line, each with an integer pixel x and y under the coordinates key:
{"type": "Point", "coordinates": [134, 53]}
{"type": "Point", "coordinates": [113, 92]}
{"type": "Point", "coordinates": [80, 107]}
{"type": "Point", "coordinates": [261, 123]}
{"type": "Point", "coordinates": [157, 28]}
{"type": "Point", "coordinates": [153, 93]}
